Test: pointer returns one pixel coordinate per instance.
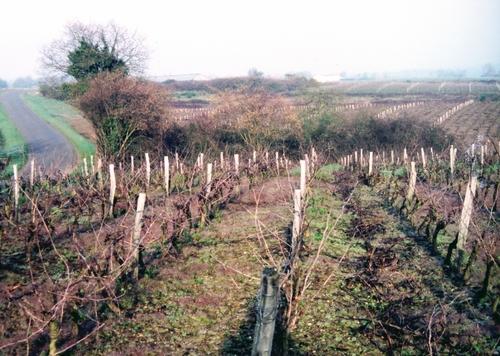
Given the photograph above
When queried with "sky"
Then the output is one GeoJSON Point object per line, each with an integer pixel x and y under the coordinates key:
{"type": "Point", "coordinates": [227, 38]}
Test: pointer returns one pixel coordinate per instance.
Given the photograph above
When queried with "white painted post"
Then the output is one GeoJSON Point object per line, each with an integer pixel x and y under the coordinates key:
{"type": "Point", "coordinates": [297, 212]}
{"type": "Point", "coordinates": [16, 187]}
{"type": "Point", "coordinates": [132, 168]}
{"type": "Point", "coordinates": [209, 176]}
{"type": "Point", "coordinates": [452, 159]}
{"type": "Point", "coordinates": [405, 156]}
{"type": "Point", "coordinates": [254, 156]}
{"type": "Point", "coordinates": [32, 173]}
{"type": "Point", "coordinates": [92, 164]}
{"type": "Point", "coordinates": [136, 237]}
{"type": "Point", "coordinates": [463, 229]}
{"type": "Point", "coordinates": [277, 163]}
{"type": "Point", "coordinates": [303, 177]}
{"type": "Point", "coordinates": [370, 164]}
{"type": "Point", "coordinates": [422, 152]}
{"type": "Point", "coordinates": [482, 155]}
{"type": "Point", "coordinates": [222, 160]}
{"type": "Point", "coordinates": [237, 163]}
{"type": "Point", "coordinates": [356, 156]}
{"type": "Point", "coordinates": [85, 168]}
{"type": "Point", "coordinates": [176, 161]}
{"type": "Point", "coordinates": [202, 160]}
{"type": "Point", "coordinates": [361, 163]}
{"type": "Point", "coordinates": [392, 156]}
{"type": "Point", "coordinates": [166, 173]}
{"type": "Point", "coordinates": [112, 188]}
{"type": "Point", "coordinates": [308, 172]}
{"type": "Point", "coordinates": [148, 170]}
{"type": "Point", "coordinates": [412, 182]}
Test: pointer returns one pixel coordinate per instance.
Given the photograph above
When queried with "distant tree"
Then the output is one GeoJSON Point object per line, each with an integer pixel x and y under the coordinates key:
{"type": "Point", "coordinates": [3, 84]}
{"type": "Point", "coordinates": [86, 50]}
{"type": "Point", "coordinates": [24, 82]}
{"type": "Point", "coordinates": [89, 59]}
{"type": "Point", "coordinates": [255, 73]}
{"type": "Point", "coordinates": [488, 70]}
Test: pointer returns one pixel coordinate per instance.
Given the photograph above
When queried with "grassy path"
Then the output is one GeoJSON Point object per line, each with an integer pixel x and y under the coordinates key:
{"type": "Point", "coordinates": [12, 145]}
{"type": "Point", "coordinates": [62, 116]}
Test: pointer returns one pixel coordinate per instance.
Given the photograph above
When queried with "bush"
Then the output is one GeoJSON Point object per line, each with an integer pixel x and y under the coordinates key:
{"type": "Point", "coordinates": [336, 136]}
{"type": "Point", "coordinates": [126, 113]}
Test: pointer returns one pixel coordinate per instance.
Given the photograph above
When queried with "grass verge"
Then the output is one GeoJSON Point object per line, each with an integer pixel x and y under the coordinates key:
{"type": "Point", "coordinates": [59, 114]}
{"type": "Point", "coordinates": [12, 145]}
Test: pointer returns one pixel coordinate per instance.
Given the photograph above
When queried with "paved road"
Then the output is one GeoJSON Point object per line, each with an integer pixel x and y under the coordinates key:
{"type": "Point", "coordinates": [50, 149]}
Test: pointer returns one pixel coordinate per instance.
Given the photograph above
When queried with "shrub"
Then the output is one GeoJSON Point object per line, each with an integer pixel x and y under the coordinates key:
{"type": "Point", "coordinates": [126, 112]}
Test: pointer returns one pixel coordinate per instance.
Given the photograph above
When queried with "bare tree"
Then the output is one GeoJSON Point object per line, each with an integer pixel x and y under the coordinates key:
{"type": "Point", "coordinates": [127, 47]}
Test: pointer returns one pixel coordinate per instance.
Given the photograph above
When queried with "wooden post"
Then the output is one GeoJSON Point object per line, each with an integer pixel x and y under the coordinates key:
{"type": "Point", "coordinates": [148, 169]}
{"type": "Point", "coordinates": [422, 152]}
{"type": "Point", "coordinates": [452, 160]}
{"type": "Point", "coordinates": [209, 176]}
{"type": "Point", "coordinates": [297, 214]}
{"type": "Point", "coordinates": [32, 173]}
{"type": "Point", "coordinates": [132, 168]}
{"type": "Point", "coordinates": [405, 156]}
{"type": "Point", "coordinates": [166, 173]}
{"type": "Point", "coordinates": [85, 168]}
{"type": "Point", "coordinates": [267, 158]}
{"type": "Point", "coordinates": [237, 163]}
{"type": "Point", "coordinates": [308, 162]}
{"type": "Point", "coordinates": [463, 229]}
{"type": "Point", "coordinates": [303, 177]}
{"type": "Point", "coordinates": [370, 164]}
{"type": "Point", "coordinates": [277, 163]}
{"type": "Point", "coordinates": [136, 237]}
{"type": "Point", "coordinates": [267, 310]}
{"type": "Point", "coordinates": [112, 188]}
{"type": "Point", "coordinates": [412, 182]}
{"type": "Point", "coordinates": [16, 187]}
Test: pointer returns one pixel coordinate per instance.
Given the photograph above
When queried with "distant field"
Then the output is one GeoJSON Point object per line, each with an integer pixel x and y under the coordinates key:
{"type": "Point", "coordinates": [66, 119]}
{"type": "Point", "coordinates": [413, 87]}
{"type": "Point", "coordinates": [12, 144]}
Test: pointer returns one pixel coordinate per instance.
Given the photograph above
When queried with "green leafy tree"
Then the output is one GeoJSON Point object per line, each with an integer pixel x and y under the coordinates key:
{"type": "Point", "coordinates": [89, 59]}
{"type": "Point", "coordinates": [87, 50]}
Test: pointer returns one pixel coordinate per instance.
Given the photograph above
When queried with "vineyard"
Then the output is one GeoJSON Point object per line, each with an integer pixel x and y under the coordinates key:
{"type": "Point", "coordinates": [377, 252]}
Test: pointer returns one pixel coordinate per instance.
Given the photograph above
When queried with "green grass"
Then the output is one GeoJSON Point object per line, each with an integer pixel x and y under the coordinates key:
{"type": "Point", "coordinates": [12, 144]}
{"type": "Point", "coordinates": [58, 114]}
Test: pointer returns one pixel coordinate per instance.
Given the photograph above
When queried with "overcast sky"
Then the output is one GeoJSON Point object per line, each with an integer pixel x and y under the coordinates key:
{"type": "Point", "coordinates": [229, 37]}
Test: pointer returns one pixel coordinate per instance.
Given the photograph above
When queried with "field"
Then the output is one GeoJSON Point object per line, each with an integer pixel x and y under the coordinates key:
{"type": "Point", "coordinates": [371, 266]}
{"type": "Point", "coordinates": [389, 249]}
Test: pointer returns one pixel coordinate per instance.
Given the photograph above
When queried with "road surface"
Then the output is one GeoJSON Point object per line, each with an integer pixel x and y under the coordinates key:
{"type": "Point", "coordinates": [46, 145]}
